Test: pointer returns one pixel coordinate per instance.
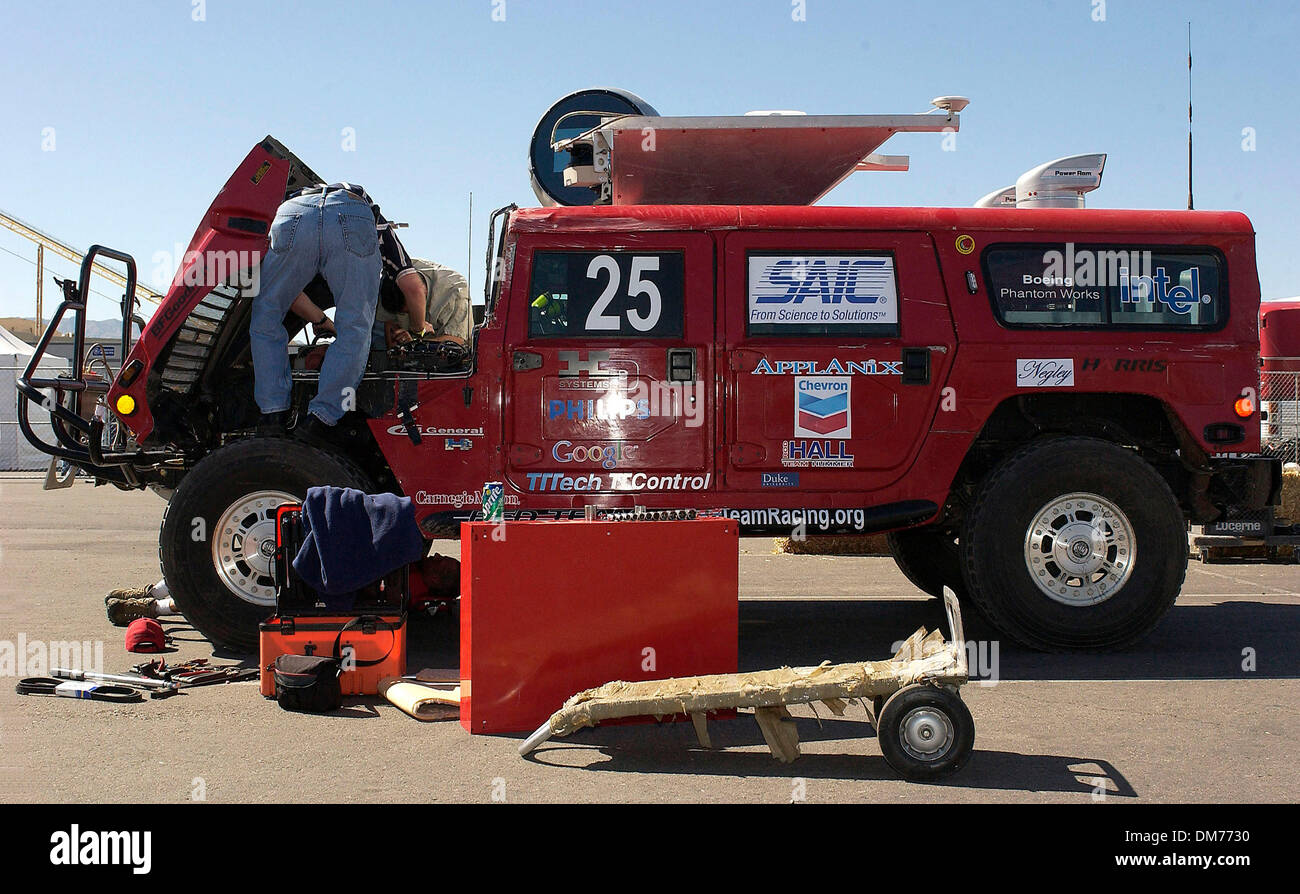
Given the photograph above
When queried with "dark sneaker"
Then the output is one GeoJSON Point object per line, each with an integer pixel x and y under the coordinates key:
{"type": "Point", "coordinates": [122, 612]}
{"type": "Point", "coordinates": [315, 432]}
{"type": "Point", "coordinates": [273, 425]}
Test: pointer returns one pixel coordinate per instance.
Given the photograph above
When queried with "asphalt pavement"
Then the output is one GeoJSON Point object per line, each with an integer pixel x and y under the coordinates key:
{"type": "Point", "coordinates": [1205, 710]}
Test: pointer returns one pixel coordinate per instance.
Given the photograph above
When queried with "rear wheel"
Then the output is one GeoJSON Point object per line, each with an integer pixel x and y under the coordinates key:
{"type": "Point", "coordinates": [1075, 544]}
{"type": "Point", "coordinates": [218, 532]}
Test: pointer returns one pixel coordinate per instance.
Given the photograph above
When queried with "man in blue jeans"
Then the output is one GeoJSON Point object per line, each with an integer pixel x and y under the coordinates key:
{"type": "Point", "coordinates": [329, 231]}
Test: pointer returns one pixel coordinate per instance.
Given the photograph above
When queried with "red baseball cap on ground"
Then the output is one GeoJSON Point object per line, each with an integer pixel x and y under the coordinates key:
{"type": "Point", "coordinates": [145, 635]}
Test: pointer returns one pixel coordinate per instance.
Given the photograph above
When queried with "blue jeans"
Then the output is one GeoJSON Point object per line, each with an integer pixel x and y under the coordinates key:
{"type": "Point", "coordinates": [334, 235]}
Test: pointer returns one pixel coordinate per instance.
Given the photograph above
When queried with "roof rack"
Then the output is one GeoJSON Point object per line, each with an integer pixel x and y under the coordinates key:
{"type": "Point", "coordinates": [764, 158]}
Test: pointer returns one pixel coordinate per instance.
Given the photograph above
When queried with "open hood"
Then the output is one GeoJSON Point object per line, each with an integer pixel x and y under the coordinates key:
{"type": "Point", "coordinates": [227, 247]}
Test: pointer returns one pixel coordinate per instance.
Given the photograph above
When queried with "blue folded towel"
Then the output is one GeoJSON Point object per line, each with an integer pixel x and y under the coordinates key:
{"type": "Point", "coordinates": [352, 539]}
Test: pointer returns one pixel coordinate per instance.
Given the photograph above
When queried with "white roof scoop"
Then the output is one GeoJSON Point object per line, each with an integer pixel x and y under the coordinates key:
{"type": "Point", "coordinates": [1060, 183]}
{"type": "Point", "coordinates": [999, 198]}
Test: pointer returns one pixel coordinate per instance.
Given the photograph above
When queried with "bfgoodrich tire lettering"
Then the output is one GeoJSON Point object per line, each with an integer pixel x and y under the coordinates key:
{"type": "Point", "coordinates": [234, 475]}
{"type": "Point", "coordinates": [999, 561]}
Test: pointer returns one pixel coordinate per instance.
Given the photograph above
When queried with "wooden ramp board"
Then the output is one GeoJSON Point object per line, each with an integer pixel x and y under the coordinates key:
{"type": "Point", "coordinates": [423, 702]}
{"type": "Point", "coordinates": [924, 657]}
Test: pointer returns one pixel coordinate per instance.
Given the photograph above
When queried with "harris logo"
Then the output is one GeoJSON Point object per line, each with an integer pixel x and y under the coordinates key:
{"type": "Point", "coordinates": [822, 407]}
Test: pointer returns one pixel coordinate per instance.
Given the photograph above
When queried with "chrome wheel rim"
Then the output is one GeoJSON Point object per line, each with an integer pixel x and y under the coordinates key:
{"type": "Point", "coordinates": [1080, 549]}
{"type": "Point", "coordinates": [243, 546]}
{"type": "Point", "coordinates": [926, 733]}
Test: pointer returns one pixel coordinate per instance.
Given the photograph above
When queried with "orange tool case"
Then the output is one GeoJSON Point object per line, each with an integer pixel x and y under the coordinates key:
{"type": "Point", "coordinates": [303, 626]}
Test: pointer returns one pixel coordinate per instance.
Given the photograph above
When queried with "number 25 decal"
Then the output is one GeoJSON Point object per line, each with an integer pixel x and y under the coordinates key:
{"type": "Point", "coordinates": [597, 318]}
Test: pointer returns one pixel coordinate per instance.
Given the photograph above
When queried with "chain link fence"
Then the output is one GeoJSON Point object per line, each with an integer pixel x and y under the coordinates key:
{"type": "Point", "coordinates": [16, 454]}
{"type": "Point", "coordinates": [1279, 393]}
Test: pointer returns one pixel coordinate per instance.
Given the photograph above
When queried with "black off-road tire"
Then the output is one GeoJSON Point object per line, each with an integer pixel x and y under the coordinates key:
{"type": "Point", "coordinates": [997, 557]}
{"type": "Point", "coordinates": [218, 482]}
{"type": "Point", "coordinates": [930, 559]}
{"type": "Point", "coordinates": [940, 713]}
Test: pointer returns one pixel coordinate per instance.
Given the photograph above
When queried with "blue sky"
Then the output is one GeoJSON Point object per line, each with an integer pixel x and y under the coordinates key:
{"type": "Point", "coordinates": [151, 110]}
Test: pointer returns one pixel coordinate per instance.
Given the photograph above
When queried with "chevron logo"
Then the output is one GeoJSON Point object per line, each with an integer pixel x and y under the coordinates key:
{"type": "Point", "coordinates": [822, 406]}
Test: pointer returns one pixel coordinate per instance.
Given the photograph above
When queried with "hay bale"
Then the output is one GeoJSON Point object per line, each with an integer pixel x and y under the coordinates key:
{"type": "Point", "coordinates": [852, 545]}
{"type": "Point", "coordinates": [1290, 508]}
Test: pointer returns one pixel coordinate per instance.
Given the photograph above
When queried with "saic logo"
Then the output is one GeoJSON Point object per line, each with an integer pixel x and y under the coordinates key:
{"type": "Point", "coordinates": [826, 280]}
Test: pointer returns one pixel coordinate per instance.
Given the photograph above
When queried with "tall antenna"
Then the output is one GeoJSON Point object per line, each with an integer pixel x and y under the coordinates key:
{"type": "Point", "coordinates": [469, 248]}
{"type": "Point", "coordinates": [1189, 116]}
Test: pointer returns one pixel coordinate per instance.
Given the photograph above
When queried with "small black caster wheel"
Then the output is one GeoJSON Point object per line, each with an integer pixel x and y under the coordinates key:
{"type": "Point", "coordinates": [925, 732]}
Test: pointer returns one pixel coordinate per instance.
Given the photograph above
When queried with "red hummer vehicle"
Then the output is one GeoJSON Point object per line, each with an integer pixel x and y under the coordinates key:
{"type": "Point", "coordinates": [1035, 400]}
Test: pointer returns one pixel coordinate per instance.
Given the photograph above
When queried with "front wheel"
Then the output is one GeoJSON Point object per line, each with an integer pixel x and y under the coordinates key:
{"type": "Point", "coordinates": [218, 533]}
{"type": "Point", "coordinates": [1075, 544]}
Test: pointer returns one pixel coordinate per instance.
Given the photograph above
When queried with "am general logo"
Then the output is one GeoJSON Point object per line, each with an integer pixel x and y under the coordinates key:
{"type": "Point", "coordinates": [821, 407]}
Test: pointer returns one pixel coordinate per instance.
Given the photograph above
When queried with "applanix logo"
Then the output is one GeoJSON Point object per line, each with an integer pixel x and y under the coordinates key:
{"type": "Point", "coordinates": [821, 407]}
{"type": "Point", "coordinates": [835, 367]}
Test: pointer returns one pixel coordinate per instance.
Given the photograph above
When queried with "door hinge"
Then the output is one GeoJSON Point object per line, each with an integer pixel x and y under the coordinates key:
{"type": "Point", "coordinates": [743, 453]}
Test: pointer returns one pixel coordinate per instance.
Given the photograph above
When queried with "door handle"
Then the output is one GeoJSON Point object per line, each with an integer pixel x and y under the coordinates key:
{"type": "Point", "coordinates": [916, 366]}
{"type": "Point", "coordinates": [681, 364]}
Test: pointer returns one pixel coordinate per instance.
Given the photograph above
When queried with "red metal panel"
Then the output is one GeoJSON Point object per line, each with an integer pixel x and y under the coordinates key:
{"type": "Point", "coordinates": [253, 193]}
{"type": "Point", "coordinates": [1074, 221]}
{"type": "Point", "coordinates": [791, 165]}
{"type": "Point", "coordinates": [1279, 334]}
{"type": "Point", "coordinates": [554, 607]}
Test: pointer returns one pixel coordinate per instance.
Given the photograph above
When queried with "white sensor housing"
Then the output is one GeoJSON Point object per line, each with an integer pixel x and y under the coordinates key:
{"type": "Point", "coordinates": [1061, 183]}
